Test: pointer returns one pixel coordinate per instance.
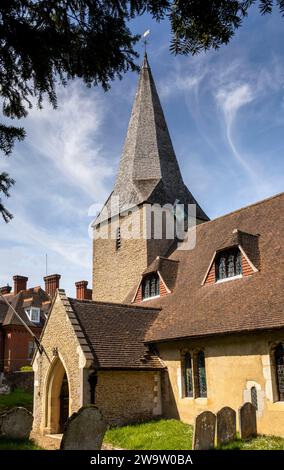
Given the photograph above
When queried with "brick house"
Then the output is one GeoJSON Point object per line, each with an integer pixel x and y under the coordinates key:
{"type": "Point", "coordinates": [32, 304]}
{"type": "Point", "coordinates": [170, 331]}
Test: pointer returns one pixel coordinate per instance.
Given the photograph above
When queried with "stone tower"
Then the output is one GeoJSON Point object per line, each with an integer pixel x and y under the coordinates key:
{"type": "Point", "coordinates": [148, 174]}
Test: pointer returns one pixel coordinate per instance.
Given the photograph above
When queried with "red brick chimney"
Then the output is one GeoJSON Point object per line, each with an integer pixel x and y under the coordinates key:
{"type": "Point", "coordinates": [51, 283]}
{"type": "Point", "coordinates": [5, 290]}
{"type": "Point", "coordinates": [82, 293]}
{"type": "Point", "coordinates": [20, 283]}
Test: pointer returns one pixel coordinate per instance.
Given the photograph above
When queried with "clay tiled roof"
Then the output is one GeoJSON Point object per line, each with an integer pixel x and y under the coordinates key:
{"type": "Point", "coordinates": [115, 334]}
{"type": "Point", "coordinates": [251, 303]}
{"type": "Point", "coordinates": [24, 299]}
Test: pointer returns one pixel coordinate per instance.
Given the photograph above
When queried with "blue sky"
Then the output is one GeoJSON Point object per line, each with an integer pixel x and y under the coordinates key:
{"type": "Point", "coordinates": [225, 112]}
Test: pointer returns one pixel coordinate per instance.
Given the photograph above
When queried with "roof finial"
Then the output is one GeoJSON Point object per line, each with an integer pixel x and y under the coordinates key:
{"type": "Point", "coordinates": [145, 41]}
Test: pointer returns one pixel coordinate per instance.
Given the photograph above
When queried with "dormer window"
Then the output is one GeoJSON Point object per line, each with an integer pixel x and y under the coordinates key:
{"type": "Point", "coordinates": [33, 314]}
{"type": "Point", "coordinates": [228, 264]}
{"type": "Point", "coordinates": [150, 286]}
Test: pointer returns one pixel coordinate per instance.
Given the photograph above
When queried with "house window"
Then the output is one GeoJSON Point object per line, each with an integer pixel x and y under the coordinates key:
{"type": "Point", "coordinates": [33, 314]}
{"type": "Point", "coordinates": [200, 382]}
{"type": "Point", "coordinates": [118, 239]}
{"type": "Point", "coordinates": [187, 377]}
{"type": "Point", "coordinates": [279, 364]}
{"type": "Point", "coordinates": [31, 349]}
{"type": "Point", "coordinates": [151, 286]}
{"type": "Point", "coordinates": [228, 264]}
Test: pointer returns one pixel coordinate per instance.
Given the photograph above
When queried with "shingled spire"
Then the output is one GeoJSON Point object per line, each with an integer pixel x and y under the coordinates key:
{"type": "Point", "coordinates": [148, 170]}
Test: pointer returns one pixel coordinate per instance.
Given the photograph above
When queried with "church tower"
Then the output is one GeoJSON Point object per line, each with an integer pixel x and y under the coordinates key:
{"type": "Point", "coordinates": [148, 174]}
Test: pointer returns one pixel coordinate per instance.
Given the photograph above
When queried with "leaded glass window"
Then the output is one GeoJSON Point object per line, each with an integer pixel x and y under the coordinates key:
{"type": "Point", "coordinates": [222, 268]}
{"type": "Point", "coordinates": [239, 268]}
{"type": "Point", "coordinates": [231, 266]}
{"type": "Point", "coordinates": [228, 264]}
{"type": "Point", "coordinates": [201, 386]}
{"type": "Point", "coordinates": [279, 363]}
{"type": "Point", "coordinates": [188, 384]}
{"type": "Point", "coordinates": [151, 286]}
{"type": "Point", "coordinates": [253, 394]}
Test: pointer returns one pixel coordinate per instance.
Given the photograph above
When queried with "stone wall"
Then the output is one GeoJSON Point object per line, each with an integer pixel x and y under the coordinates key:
{"type": "Point", "coordinates": [234, 364]}
{"type": "Point", "coordinates": [58, 334]}
{"type": "Point", "coordinates": [127, 396]}
{"type": "Point", "coordinates": [117, 272]}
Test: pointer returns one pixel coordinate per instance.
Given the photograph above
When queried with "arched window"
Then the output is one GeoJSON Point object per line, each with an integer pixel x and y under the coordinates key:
{"type": "Point", "coordinates": [200, 382]}
{"type": "Point", "coordinates": [187, 375]}
{"type": "Point", "coordinates": [253, 396]}
{"type": "Point", "coordinates": [151, 286]}
{"type": "Point", "coordinates": [279, 364]}
{"type": "Point", "coordinates": [228, 264]}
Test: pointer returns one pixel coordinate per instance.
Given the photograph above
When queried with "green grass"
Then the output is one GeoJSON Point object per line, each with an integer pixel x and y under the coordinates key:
{"type": "Point", "coordinates": [153, 435]}
{"type": "Point", "coordinates": [16, 398]}
{"type": "Point", "coordinates": [9, 444]}
{"type": "Point", "coordinates": [258, 443]}
{"type": "Point", "coordinates": [174, 435]}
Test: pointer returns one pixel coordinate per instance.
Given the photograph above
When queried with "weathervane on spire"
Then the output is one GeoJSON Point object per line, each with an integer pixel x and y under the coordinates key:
{"type": "Point", "coordinates": [145, 40]}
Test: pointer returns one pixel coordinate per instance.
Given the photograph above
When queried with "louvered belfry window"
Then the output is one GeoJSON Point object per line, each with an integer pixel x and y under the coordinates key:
{"type": "Point", "coordinates": [188, 383]}
{"type": "Point", "coordinates": [118, 239]}
{"type": "Point", "coordinates": [279, 363]}
{"type": "Point", "coordinates": [228, 264]}
{"type": "Point", "coordinates": [151, 286]}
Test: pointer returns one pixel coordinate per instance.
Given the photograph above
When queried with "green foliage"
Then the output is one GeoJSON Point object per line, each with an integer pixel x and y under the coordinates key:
{"type": "Point", "coordinates": [44, 42]}
{"type": "Point", "coordinates": [153, 435]}
{"type": "Point", "coordinates": [16, 398]}
{"type": "Point", "coordinates": [26, 369]}
{"type": "Point", "coordinates": [25, 444]}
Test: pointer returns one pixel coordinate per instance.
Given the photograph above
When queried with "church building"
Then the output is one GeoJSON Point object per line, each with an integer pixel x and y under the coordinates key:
{"type": "Point", "coordinates": [170, 331]}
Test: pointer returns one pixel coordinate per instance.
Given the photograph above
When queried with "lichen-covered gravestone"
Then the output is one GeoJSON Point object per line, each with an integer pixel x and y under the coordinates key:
{"type": "Point", "coordinates": [226, 425]}
{"type": "Point", "coordinates": [204, 431]}
{"type": "Point", "coordinates": [84, 430]}
{"type": "Point", "coordinates": [16, 423]}
{"type": "Point", "coordinates": [247, 416]}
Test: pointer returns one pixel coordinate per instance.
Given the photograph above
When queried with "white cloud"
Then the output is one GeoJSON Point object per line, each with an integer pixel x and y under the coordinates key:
{"type": "Point", "coordinates": [232, 98]}
{"type": "Point", "coordinates": [70, 138]}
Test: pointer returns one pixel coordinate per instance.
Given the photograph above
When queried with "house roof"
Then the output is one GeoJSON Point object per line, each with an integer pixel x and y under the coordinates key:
{"type": "Point", "coordinates": [115, 334]}
{"type": "Point", "coordinates": [34, 296]}
{"type": "Point", "coordinates": [148, 169]}
{"type": "Point", "coordinates": [250, 303]}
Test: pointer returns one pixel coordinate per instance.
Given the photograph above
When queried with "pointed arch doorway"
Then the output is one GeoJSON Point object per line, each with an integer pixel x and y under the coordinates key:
{"type": "Point", "coordinates": [56, 398]}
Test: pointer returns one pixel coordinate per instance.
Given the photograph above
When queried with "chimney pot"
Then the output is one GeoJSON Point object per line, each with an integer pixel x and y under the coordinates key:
{"type": "Point", "coordinates": [82, 292]}
{"type": "Point", "coordinates": [20, 283]}
{"type": "Point", "coordinates": [51, 283]}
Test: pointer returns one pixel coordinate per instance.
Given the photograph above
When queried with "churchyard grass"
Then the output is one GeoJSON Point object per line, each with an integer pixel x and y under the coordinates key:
{"type": "Point", "coordinates": [258, 443]}
{"type": "Point", "coordinates": [16, 398]}
{"type": "Point", "coordinates": [13, 444]}
{"type": "Point", "coordinates": [152, 435]}
{"type": "Point", "coordinates": [175, 435]}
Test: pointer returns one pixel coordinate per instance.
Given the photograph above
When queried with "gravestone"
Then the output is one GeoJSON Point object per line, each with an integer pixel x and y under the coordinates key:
{"type": "Point", "coordinates": [204, 431]}
{"type": "Point", "coordinates": [247, 417]}
{"type": "Point", "coordinates": [84, 430]}
{"type": "Point", "coordinates": [226, 425]}
{"type": "Point", "coordinates": [16, 423]}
